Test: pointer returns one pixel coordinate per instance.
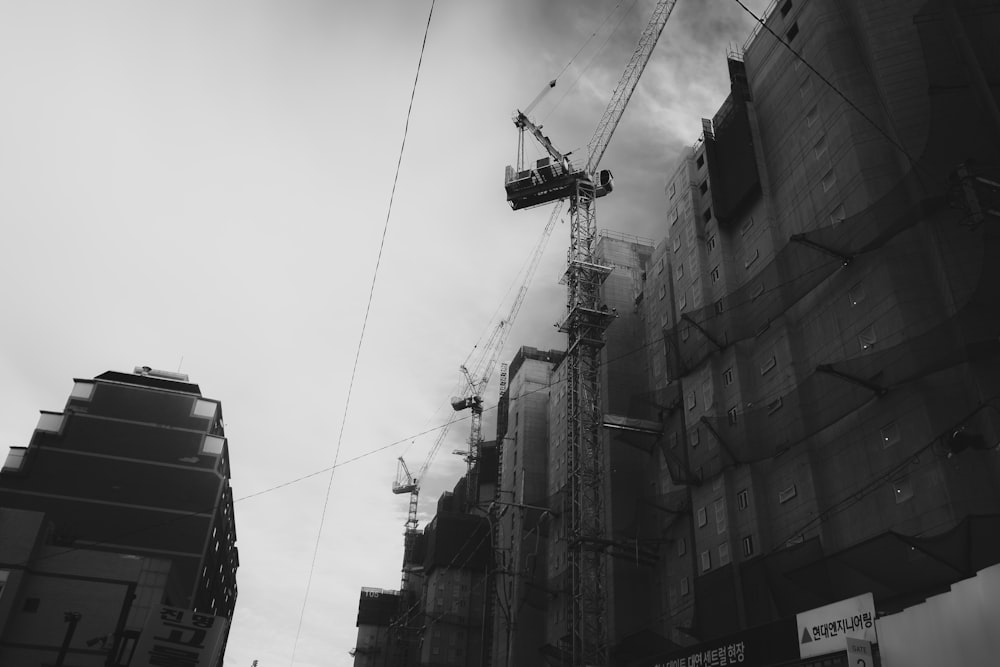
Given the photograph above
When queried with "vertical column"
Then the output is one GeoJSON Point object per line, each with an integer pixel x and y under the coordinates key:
{"type": "Point", "coordinates": [585, 326]}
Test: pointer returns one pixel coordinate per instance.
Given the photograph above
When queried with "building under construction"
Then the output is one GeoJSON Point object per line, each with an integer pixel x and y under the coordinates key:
{"type": "Point", "coordinates": [800, 385]}
{"type": "Point", "coordinates": [440, 618]}
{"type": "Point", "coordinates": [815, 415]}
{"type": "Point", "coordinates": [825, 303]}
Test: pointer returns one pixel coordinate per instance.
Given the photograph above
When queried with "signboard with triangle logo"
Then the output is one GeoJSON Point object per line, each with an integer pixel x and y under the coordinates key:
{"type": "Point", "coordinates": [827, 629]}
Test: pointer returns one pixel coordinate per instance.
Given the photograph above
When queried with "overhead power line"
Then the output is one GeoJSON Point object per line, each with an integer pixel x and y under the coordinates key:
{"type": "Point", "coordinates": [361, 337]}
{"type": "Point", "coordinates": [762, 21]}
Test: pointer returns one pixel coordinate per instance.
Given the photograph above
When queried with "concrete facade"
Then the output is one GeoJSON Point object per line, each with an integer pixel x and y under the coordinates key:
{"type": "Point", "coordinates": [533, 581]}
{"type": "Point", "coordinates": [138, 464]}
{"type": "Point", "coordinates": [522, 509]}
{"type": "Point", "coordinates": [828, 312]}
{"type": "Point", "coordinates": [78, 606]}
{"type": "Point", "coordinates": [378, 610]}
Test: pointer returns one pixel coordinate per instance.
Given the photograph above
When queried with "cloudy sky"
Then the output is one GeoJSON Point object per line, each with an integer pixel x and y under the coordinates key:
{"type": "Point", "coordinates": [204, 186]}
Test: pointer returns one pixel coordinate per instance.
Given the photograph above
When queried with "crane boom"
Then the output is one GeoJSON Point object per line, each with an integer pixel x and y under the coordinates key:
{"type": "Point", "coordinates": [479, 378]}
{"type": "Point", "coordinates": [626, 85]}
{"type": "Point", "coordinates": [483, 372]}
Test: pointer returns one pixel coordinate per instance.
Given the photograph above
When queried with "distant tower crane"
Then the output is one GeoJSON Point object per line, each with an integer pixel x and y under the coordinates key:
{"type": "Point", "coordinates": [478, 378]}
{"type": "Point", "coordinates": [556, 178]}
{"type": "Point", "coordinates": [407, 483]}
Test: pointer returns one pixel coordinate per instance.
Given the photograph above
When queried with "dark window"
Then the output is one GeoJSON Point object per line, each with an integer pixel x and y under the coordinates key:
{"type": "Point", "coordinates": [792, 32]}
{"type": "Point", "coordinates": [711, 243]}
{"type": "Point", "coordinates": [707, 215]}
{"type": "Point", "coordinates": [748, 546]}
{"type": "Point", "coordinates": [787, 7]}
{"type": "Point", "coordinates": [743, 499]}
{"type": "Point", "coordinates": [700, 161]}
{"type": "Point", "coordinates": [703, 187]}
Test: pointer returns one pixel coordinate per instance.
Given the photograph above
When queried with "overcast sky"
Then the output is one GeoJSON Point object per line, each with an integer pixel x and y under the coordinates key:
{"type": "Point", "coordinates": [203, 186]}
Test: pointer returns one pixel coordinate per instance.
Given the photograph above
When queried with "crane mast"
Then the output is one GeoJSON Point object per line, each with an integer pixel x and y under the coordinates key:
{"type": "Point", "coordinates": [584, 324]}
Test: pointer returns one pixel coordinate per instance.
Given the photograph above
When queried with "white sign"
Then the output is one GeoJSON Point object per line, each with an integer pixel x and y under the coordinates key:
{"type": "Point", "coordinates": [826, 629]}
{"type": "Point", "coordinates": [859, 653]}
{"type": "Point", "coordinates": [179, 638]}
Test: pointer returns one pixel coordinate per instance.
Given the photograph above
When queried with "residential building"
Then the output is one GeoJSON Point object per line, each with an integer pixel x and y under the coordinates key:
{"type": "Point", "coordinates": [137, 464]}
{"type": "Point", "coordinates": [800, 395]}
{"type": "Point", "coordinates": [523, 509]}
{"type": "Point", "coordinates": [378, 610]}
{"type": "Point", "coordinates": [827, 300]}
{"type": "Point", "coordinates": [440, 619]}
{"type": "Point", "coordinates": [70, 606]}
{"type": "Point", "coordinates": [534, 589]}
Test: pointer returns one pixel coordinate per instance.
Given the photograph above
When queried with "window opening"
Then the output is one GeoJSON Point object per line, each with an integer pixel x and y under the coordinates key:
{"type": "Point", "coordinates": [743, 499]}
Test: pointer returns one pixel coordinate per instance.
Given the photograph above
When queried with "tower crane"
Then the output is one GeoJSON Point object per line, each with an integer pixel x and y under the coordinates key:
{"type": "Point", "coordinates": [477, 381]}
{"type": "Point", "coordinates": [478, 378]}
{"type": "Point", "coordinates": [408, 483]}
{"type": "Point", "coordinates": [557, 178]}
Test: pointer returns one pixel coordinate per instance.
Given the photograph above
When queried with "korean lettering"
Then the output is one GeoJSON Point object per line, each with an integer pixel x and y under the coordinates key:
{"type": "Point", "coordinates": [180, 639]}
{"type": "Point", "coordinates": [173, 615]}
{"type": "Point", "coordinates": [734, 652]}
{"type": "Point", "coordinates": [202, 620]}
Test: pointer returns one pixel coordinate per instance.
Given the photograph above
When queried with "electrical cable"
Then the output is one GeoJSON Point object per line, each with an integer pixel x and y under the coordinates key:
{"type": "Point", "coordinates": [587, 41]}
{"type": "Point", "coordinates": [361, 337]}
{"type": "Point", "coordinates": [586, 67]}
{"type": "Point", "coordinates": [449, 566]}
{"type": "Point", "coordinates": [892, 141]}
{"type": "Point", "coordinates": [855, 496]}
{"type": "Point", "coordinates": [116, 539]}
